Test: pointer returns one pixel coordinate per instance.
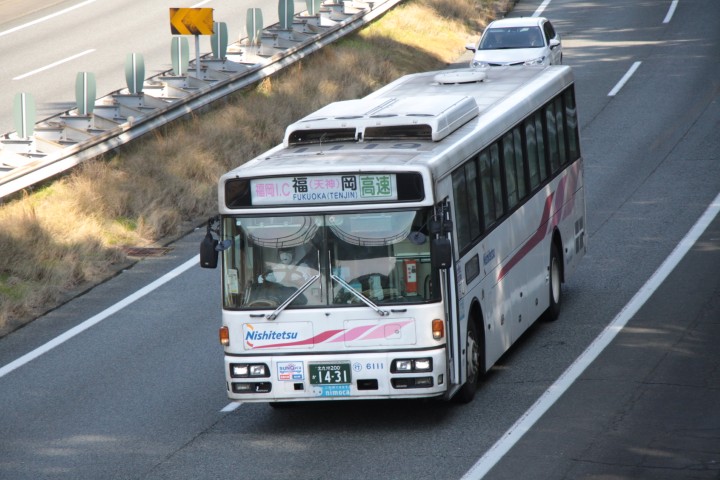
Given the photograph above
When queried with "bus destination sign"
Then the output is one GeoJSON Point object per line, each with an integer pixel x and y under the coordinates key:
{"type": "Point", "coordinates": [343, 188]}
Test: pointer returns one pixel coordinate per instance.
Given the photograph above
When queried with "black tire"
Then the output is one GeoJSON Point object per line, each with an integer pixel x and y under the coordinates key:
{"type": "Point", "coordinates": [474, 365]}
{"type": "Point", "coordinates": [554, 284]}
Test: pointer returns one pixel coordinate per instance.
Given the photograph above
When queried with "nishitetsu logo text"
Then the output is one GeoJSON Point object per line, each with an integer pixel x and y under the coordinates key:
{"type": "Point", "coordinates": [270, 335]}
{"type": "Point", "coordinates": [259, 337]}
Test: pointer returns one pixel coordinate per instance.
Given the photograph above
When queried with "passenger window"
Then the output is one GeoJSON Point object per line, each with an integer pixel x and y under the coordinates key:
{"type": "Point", "coordinates": [496, 179]}
{"type": "Point", "coordinates": [510, 175]}
{"type": "Point", "coordinates": [471, 179]}
{"type": "Point", "coordinates": [552, 138]}
{"type": "Point", "coordinates": [486, 187]}
{"type": "Point", "coordinates": [560, 123]}
{"type": "Point", "coordinates": [572, 124]}
{"type": "Point", "coordinates": [490, 182]}
{"type": "Point", "coordinates": [461, 211]}
{"type": "Point", "coordinates": [519, 163]}
{"type": "Point", "coordinates": [467, 213]}
{"type": "Point", "coordinates": [540, 135]}
{"type": "Point", "coordinates": [531, 143]}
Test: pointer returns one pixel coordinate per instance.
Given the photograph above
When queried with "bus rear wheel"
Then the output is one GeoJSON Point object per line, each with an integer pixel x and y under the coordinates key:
{"type": "Point", "coordinates": [554, 281]}
{"type": "Point", "coordinates": [472, 355]}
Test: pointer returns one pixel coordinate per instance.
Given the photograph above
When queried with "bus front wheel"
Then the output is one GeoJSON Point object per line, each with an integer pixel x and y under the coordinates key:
{"type": "Point", "coordinates": [472, 356]}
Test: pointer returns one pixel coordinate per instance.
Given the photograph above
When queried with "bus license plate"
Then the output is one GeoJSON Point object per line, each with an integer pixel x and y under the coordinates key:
{"type": "Point", "coordinates": [329, 373]}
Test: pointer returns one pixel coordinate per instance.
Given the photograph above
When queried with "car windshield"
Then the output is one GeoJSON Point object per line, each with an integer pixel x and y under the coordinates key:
{"type": "Point", "coordinates": [348, 260]}
{"type": "Point", "coordinates": [512, 37]}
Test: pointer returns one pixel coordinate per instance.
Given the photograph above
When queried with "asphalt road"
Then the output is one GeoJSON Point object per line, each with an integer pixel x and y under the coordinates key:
{"type": "Point", "coordinates": [140, 393]}
{"type": "Point", "coordinates": [649, 406]}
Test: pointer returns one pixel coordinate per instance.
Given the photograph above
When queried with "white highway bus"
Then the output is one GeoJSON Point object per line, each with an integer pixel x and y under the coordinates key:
{"type": "Point", "coordinates": [395, 246]}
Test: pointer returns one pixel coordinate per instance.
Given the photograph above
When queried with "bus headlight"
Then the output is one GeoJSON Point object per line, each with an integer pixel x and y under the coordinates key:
{"type": "Point", "coordinates": [248, 370]}
{"type": "Point", "coordinates": [410, 365]}
{"type": "Point", "coordinates": [423, 365]}
{"type": "Point", "coordinates": [402, 366]}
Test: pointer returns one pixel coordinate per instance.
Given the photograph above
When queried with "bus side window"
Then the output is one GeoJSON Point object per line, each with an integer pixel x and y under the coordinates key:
{"type": "Point", "coordinates": [496, 180]}
{"type": "Point", "coordinates": [560, 124]}
{"type": "Point", "coordinates": [471, 177]}
{"type": "Point", "coordinates": [540, 136]}
{"type": "Point", "coordinates": [467, 214]}
{"type": "Point", "coordinates": [462, 219]}
{"type": "Point", "coordinates": [552, 137]}
{"type": "Point", "coordinates": [532, 154]}
{"type": "Point", "coordinates": [490, 182]}
{"type": "Point", "coordinates": [514, 167]}
{"type": "Point", "coordinates": [572, 124]}
{"type": "Point", "coordinates": [519, 163]}
{"type": "Point", "coordinates": [510, 174]}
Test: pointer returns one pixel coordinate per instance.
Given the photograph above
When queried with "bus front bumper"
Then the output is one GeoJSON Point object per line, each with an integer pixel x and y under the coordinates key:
{"type": "Point", "coordinates": [406, 374]}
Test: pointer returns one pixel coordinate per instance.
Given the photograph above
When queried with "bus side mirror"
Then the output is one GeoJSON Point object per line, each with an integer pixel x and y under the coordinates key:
{"type": "Point", "coordinates": [441, 252]}
{"type": "Point", "coordinates": [208, 253]}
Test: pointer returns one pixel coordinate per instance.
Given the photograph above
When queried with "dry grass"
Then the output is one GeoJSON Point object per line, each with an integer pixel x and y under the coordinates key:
{"type": "Point", "coordinates": [69, 235]}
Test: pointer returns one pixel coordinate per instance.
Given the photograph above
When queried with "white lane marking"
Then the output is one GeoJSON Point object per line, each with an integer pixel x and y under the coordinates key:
{"type": "Point", "coordinates": [48, 17]}
{"type": "Point", "coordinates": [671, 11]}
{"type": "Point", "coordinates": [624, 79]}
{"type": "Point", "coordinates": [568, 377]}
{"type": "Point", "coordinates": [541, 8]}
{"type": "Point", "coordinates": [55, 64]}
{"type": "Point", "coordinates": [60, 339]}
{"type": "Point", "coordinates": [231, 407]}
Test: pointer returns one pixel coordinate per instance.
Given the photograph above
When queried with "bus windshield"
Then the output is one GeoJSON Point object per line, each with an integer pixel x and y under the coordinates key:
{"type": "Point", "coordinates": [349, 259]}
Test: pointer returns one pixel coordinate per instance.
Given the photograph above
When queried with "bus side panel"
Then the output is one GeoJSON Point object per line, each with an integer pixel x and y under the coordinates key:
{"type": "Point", "coordinates": [513, 285]}
{"type": "Point", "coordinates": [573, 220]}
{"type": "Point", "coordinates": [523, 270]}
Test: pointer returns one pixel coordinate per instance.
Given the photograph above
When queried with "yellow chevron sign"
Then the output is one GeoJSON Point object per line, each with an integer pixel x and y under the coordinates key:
{"type": "Point", "coordinates": [191, 21]}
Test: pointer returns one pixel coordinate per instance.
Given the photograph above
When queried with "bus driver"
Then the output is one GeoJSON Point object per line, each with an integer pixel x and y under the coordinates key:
{"type": "Point", "coordinates": [286, 272]}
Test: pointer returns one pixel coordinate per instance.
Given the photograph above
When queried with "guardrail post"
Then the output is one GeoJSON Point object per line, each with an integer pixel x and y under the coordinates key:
{"type": "Point", "coordinates": [85, 92]}
{"type": "Point", "coordinates": [24, 114]}
{"type": "Point", "coordinates": [254, 25]}
{"type": "Point", "coordinates": [313, 6]}
{"type": "Point", "coordinates": [286, 13]}
{"type": "Point", "coordinates": [135, 72]}
{"type": "Point", "coordinates": [180, 52]}
{"type": "Point", "coordinates": [219, 40]}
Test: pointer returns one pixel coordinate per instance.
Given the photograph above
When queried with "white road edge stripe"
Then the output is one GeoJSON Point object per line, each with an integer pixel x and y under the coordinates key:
{"type": "Point", "coordinates": [48, 17]}
{"type": "Point", "coordinates": [60, 339]}
{"type": "Point", "coordinates": [624, 79]}
{"type": "Point", "coordinates": [55, 64]}
{"type": "Point", "coordinates": [231, 407]}
{"type": "Point", "coordinates": [541, 8]}
{"type": "Point", "coordinates": [568, 377]}
{"type": "Point", "coordinates": [671, 11]}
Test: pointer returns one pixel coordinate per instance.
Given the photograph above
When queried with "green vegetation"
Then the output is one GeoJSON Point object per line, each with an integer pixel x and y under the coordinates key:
{"type": "Point", "coordinates": [70, 235]}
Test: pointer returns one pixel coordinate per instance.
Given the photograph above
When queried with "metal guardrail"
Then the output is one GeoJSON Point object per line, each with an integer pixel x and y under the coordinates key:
{"type": "Point", "coordinates": [63, 141]}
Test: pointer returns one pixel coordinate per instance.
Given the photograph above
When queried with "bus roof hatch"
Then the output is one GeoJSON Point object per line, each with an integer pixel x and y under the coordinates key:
{"type": "Point", "coordinates": [431, 117]}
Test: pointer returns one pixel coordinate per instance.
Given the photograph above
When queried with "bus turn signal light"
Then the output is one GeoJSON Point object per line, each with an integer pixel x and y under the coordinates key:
{"type": "Point", "coordinates": [224, 336]}
{"type": "Point", "coordinates": [438, 329]}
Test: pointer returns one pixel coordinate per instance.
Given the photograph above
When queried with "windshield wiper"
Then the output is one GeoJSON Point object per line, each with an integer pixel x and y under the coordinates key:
{"type": "Point", "coordinates": [359, 295]}
{"type": "Point", "coordinates": [292, 297]}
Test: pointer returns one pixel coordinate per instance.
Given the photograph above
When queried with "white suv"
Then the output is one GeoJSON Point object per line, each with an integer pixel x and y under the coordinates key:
{"type": "Point", "coordinates": [517, 41]}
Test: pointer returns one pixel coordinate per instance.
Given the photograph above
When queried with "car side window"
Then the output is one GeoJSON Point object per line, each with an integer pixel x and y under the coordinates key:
{"type": "Point", "coordinates": [549, 31]}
